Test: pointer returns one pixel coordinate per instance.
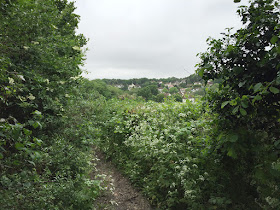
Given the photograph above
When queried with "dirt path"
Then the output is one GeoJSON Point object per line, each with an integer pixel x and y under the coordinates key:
{"type": "Point", "coordinates": [120, 194]}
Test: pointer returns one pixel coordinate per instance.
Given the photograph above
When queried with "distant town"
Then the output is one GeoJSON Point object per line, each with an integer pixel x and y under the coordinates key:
{"type": "Point", "coordinates": [182, 89]}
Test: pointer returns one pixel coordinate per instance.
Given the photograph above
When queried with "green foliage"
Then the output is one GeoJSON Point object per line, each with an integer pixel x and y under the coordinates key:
{"type": "Point", "coordinates": [159, 98]}
{"type": "Point", "coordinates": [247, 104]}
{"type": "Point", "coordinates": [165, 90]}
{"type": "Point", "coordinates": [178, 97]}
{"type": "Point", "coordinates": [94, 87]}
{"type": "Point", "coordinates": [162, 148]}
{"type": "Point", "coordinates": [144, 82]}
{"type": "Point", "coordinates": [173, 90]}
{"type": "Point", "coordinates": [148, 92]}
{"type": "Point", "coordinates": [40, 54]}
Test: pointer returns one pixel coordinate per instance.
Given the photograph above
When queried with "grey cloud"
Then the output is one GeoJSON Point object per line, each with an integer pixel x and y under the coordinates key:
{"type": "Point", "coordinates": [150, 38]}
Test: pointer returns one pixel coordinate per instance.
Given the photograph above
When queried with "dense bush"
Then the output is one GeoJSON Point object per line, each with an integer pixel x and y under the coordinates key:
{"type": "Point", "coordinates": [248, 105]}
{"type": "Point", "coordinates": [162, 148]}
{"type": "Point", "coordinates": [45, 159]}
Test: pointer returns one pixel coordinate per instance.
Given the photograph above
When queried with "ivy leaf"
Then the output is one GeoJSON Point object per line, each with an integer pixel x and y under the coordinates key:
{"type": "Point", "coordinates": [224, 104]}
{"type": "Point", "coordinates": [274, 90]}
{"type": "Point", "coordinates": [243, 111]}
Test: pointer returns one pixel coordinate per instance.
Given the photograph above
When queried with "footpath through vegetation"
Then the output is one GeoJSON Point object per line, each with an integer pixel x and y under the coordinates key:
{"type": "Point", "coordinates": [219, 152]}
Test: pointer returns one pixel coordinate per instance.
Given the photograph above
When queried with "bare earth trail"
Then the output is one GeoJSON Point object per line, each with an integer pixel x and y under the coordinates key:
{"type": "Point", "coordinates": [120, 194]}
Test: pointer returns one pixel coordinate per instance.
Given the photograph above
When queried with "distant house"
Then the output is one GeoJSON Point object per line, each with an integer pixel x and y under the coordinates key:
{"type": "Point", "coordinates": [183, 91]}
{"type": "Point", "coordinates": [194, 90]}
{"type": "Point", "coordinates": [160, 90]}
{"type": "Point", "coordinates": [191, 99]}
{"type": "Point", "coordinates": [176, 83]}
{"type": "Point", "coordinates": [169, 85]}
{"type": "Point", "coordinates": [119, 86]}
{"type": "Point", "coordinates": [130, 87]}
{"type": "Point", "coordinates": [197, 83]}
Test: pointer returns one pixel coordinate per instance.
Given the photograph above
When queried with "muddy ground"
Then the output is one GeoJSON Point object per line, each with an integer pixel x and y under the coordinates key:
{"type": "Point", "coordinates": [119, 193]}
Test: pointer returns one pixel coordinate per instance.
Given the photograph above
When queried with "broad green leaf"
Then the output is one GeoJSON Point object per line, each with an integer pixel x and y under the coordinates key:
{"type": "Point", "coordinates": [244, 104]}
{"type": "Point", "coordinates": [233, 102]}
{"type": "Point", "coordinates": [224, 104]}
{"type": "Point", "coordinates": [241, 84]}
{"type": "Point", "coordinates": [232, 153]}
{"type": "Point", "coordinates": [31, 97]}
{"type": "Point", "coordinates": [257, 98]}
{"type": "Point", "coordinates": [37, 124]}
{"type": "Point", "coordinates": [274, 90]}
{"type": "Point", "coordinates": [274, 39]}
{"type": "Point", "coordinates": [37, 112]}
{"type": "Point", "coordinates": [257, 87]}
{"type": "Point", "coordinates": [31, 162]}
{"type": "Point", "coordinates": [235, 110]}
{"type": "Point", "coordinates": [27, 132]}
{"type": "Point", "coordinates": [19, 146]}
{"type": "Point", "coordinates": [233, 137]}
{"type": "Point", "coordinates": [243, 111]}
{"type": "Point", "coordinates": [201, 72]}
{"type": "Point", "coordinates": [277, 143]}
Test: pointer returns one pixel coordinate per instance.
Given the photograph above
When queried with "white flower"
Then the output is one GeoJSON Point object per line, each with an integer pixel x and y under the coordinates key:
{"type": "Point", "coordinates": [11, 80]}
{"type": "Point", "coordinates": [21, 77]}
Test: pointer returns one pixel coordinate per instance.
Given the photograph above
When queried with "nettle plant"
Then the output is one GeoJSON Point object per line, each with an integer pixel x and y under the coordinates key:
{"type": "Point", "coordinates": [247, 101]}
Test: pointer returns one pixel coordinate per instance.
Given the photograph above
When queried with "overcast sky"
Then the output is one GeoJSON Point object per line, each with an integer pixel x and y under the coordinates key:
{"type": "Point", "coordinates": [150, 38]}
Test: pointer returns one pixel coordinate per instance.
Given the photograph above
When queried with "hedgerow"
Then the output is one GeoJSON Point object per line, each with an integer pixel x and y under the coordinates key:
{"type": "Point", "coordinates": [43, 163]}
{"type": "Point", "coordinates": [162, 147]}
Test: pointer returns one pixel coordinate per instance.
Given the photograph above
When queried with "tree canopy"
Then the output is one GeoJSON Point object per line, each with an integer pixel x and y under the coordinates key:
{"type": "Point", "coordinates": [247, 102]}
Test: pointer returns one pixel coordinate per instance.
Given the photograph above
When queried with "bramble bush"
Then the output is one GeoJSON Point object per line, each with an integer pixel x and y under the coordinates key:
{"type": "Point", "coordinates": [162, 147]}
